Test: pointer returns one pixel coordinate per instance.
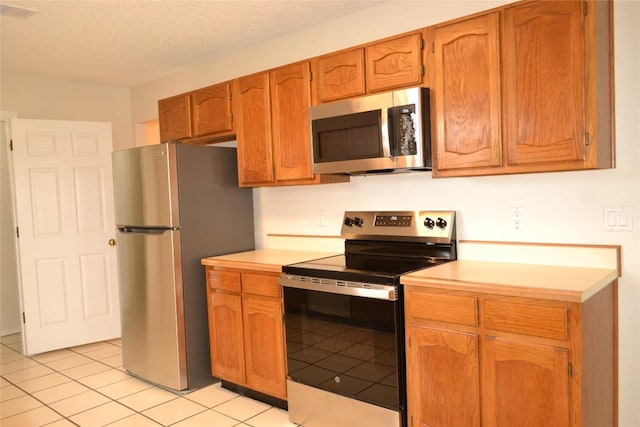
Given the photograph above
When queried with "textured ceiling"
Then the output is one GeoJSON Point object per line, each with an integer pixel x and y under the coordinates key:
{"type": "Point", "coordinates": [125, 43]}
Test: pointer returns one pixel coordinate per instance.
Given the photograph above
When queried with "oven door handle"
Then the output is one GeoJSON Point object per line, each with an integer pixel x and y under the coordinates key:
{"type": "Point", "coordinates": [383, 292]}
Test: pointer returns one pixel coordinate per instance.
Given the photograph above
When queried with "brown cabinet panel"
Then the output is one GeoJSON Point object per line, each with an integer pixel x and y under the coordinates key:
{"type": "Point", "coordinates": [212, 110]}
{"type": "Point", "coordinates": [456, 309]}
{"type": "Point", "coordinates": [535, 320]}
{"type": "Point", "coordinates": [223, 280]}
{"type": "Point", "coordinates": [443, 386]}
{"type": "Point", "coordinates": [527, 361]}
{"type": "Point", "coordinates": [466, 94]}
{"type": "Point", "coordinates": [246, 329]}
{"type": "Point", "coordinates": [525, 384]}
{"type": "Point", "coordinates": [226, 337]}
{"type": "Point", "coordinates": [290, 102]}
{"type": "Point", "coordinates": [174, 115]}
{"type": "Point", "coordinates": [261, 284]}
{"type": "Point", "coordinates": [340, 75]}
{"type": "Point", "coordinates": [264, 342]}
{"type": "Point", "coordinates": [545, 82]}
{"type": "Point", "coordinates": [394, 63]}
{"type": "Point", "coordinates": [253, 127]}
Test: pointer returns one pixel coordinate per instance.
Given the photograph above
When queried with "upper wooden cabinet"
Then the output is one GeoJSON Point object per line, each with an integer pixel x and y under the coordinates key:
{"type": "Point", "coordinates": [197, 116]}
{"type": "Point", "coordinates": [253, 129]}
{"type": "Point", "coordinates": [548, 108]}
{"type": "Point", "coordinates": [174, 116]}
{"type": "Point", "coordinates": [466, 103]}
{"type": "Point", "coordinates": [384, 65]}
{"type": "Point", "coordinates": [211, 108]}
{"type": "Point", "coordinates": [395, 62]}
{"type": "Point", "coordinates": [273, 128]}
{"type": "Point", "coordinates": [339, 75]}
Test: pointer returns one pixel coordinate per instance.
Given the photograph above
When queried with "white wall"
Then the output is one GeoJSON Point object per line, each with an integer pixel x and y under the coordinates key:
{"type": "Point", "coordinates": [50, 99]}
{"type": "Point", "coordinates": [564, 207]}
{"type": "Point", "coordinates": [9, 294]}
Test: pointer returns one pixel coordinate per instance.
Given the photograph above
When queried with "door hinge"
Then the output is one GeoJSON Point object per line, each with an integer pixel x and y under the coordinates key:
{"type": "Point", "coordinates": [587, 138]}
{"type": "Point", "coordinates": [24, 318]}
{"type": "Point", "coordinates": [409, 342]}
{"type": "Point", "coordinates": [433, 47]}
{"type": "Point", "coordinates": [231, 117]}
{"type": "Point", "coordinates": [11, 144]}
{"type": "Point", "coordinates": [421, 43]}
{"type": "Point", "coordinates": [584, 8]}
{"type": "Point", "coordinates": [18, 232]}
{"type": "Point", "coordinates": [422, 70]}
{"type": "Point", "coordinates": [570, 370]}
{"type": "Point", "coordinates": [310, 76]}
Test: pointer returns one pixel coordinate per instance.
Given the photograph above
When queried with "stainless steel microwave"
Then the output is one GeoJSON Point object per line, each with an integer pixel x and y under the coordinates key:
{"type": "Point", "coordinates": [384, 132]}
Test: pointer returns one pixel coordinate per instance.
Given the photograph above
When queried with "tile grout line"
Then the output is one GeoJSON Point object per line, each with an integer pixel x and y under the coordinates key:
{"type": "Point", "coordinates": [206, 408]}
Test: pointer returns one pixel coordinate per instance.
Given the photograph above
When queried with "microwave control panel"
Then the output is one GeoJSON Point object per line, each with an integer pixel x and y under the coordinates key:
{"type": "Point", "coordinates": [402, 129]}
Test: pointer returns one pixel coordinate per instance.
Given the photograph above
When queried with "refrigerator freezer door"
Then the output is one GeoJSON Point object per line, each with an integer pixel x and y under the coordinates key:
{"type": "Point", "coordinates": [145, 186]}
{"type": "Point", "coordinates": [153, 336]}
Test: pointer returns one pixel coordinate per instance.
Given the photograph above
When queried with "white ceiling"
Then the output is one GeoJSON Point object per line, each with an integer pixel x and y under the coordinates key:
{"type": "Point", "coordinates": [125, 43]}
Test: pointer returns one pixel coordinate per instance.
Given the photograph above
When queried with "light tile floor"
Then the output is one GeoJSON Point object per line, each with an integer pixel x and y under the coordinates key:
{"type": "Point", "coordinates": [87, 386]}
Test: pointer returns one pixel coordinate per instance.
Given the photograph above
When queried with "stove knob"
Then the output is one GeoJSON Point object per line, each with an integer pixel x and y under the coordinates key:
{"type": "Point", "coordinates": [348, 222]}
{"type": "Point", "coordinates": [429, 223]}
{"type": "Point", "coordinates": [441, 223]}
{"type": "Point", "coordinates": [358, 221]}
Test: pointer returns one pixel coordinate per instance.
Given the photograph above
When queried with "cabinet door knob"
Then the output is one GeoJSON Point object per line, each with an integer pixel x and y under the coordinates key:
{"type": "Point", "coordinates": [112, 242]}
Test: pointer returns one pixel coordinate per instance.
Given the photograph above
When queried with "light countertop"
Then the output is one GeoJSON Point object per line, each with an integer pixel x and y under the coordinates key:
{"type": "Point", "coordinates": [573, 284]}
{"type": "Point", "coordinates": [264, 259]}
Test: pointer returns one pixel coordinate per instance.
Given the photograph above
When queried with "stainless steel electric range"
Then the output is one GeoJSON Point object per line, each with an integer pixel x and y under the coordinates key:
{"type": "Point", "coordinates": [344, 318]}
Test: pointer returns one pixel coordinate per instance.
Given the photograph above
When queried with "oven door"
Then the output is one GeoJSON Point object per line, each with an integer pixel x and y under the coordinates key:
{"type": "Point", "coordinates": [346, 344]}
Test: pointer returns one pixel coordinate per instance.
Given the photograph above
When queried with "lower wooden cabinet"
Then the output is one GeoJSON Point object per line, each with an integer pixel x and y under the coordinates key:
{"type": "Point", "coordinates": [480, 359]}
{"type": "Point", "coordinates": [443, 377]}
{"type": "Point", "coordinates": [246, 330]}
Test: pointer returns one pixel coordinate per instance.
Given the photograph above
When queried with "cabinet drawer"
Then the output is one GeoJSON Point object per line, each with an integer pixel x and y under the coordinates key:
{"type": "Point", "coordinates": [535, 320]}
{"type": "Point", "coordinates": [458, 309]}
{"type": "Point", "coordinates": [224, 280]}
{"type": "Point", "coordinates": [259, 284]}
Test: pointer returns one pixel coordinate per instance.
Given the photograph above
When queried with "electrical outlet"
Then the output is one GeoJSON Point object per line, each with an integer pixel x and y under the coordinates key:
{"type": "Point", "coordinates": [320, 218]}
{"type": "Point", "coordinates": [517, 218]}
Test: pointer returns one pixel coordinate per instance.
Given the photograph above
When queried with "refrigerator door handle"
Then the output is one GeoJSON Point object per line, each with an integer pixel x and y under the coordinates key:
{"type": "Point", "coordinates": [145, 230]}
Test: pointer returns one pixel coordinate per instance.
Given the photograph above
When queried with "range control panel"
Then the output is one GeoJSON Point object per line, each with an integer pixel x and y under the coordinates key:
{"type": "Point", "coordinates": [427, 226]}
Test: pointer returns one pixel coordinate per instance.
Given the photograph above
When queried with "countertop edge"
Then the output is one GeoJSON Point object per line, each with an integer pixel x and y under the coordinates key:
{"type": "Point", "coordinates": [426, 279]}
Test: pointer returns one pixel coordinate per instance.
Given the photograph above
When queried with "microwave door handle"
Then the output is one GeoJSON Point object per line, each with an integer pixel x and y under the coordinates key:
{"type": "Point", "coordinates": [390, 146]}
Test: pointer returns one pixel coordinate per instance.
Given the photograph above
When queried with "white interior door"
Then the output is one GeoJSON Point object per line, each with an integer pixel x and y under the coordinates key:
{"type": "Point", "coordinates": [63, 197]}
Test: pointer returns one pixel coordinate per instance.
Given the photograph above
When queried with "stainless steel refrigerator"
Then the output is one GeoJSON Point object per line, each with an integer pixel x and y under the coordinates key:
{"type": "Point", "coordinates": [174, 204]}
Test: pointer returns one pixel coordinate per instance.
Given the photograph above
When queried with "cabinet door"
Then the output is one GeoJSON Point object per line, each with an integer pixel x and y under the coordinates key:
{"type": "Point", "coordinates": [253, 129]}
{"type": "Point", "coordinates": [443, 380]}
{"type": "Point", "coordinates": [525, 384]}
{"type": "Point", "coordinates": [212, 110]}
{"type": "Point", "coordinates": [544, 83]}
{"type": "Point", "coordinates": [264, 345]}
{"type": "Point", "coordinates": [340, 75]}
{"type": "Point", "coordinates": [394, 63]}
{"type": "Point", "coordinates": [290, 102]}
{"type": "Point", "coordinates": [226, 337]}
{"type": "Point", "coordinates": [466, 94]}
{"type": "Point", "coordinates": [174, 116]}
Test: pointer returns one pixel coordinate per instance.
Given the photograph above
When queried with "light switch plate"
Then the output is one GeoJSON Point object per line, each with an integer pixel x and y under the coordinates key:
{"type": "Point", "coordinates": [618, 218]}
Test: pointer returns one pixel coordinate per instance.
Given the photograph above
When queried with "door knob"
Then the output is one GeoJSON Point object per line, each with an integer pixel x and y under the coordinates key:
{"type": "Point", "coordinates": [112, 242]}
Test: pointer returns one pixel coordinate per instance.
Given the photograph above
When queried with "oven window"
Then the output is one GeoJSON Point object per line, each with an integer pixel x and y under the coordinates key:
{"type": "Point", "coordinates": [344, 344]}
{"type": "Point", "coordinates": [348, 137]}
